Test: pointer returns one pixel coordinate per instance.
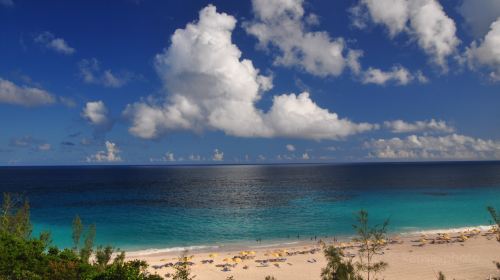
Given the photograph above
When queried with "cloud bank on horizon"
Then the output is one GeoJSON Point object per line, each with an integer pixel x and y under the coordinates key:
{"type": "Point", "coordinates": [210, 85]}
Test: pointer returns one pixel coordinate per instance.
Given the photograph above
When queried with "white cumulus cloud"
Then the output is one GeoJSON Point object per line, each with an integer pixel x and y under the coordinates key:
{"type": "Point", "coordinates": [398, 74]}
{"type": "Point", "coordinates": [49, 41]}
{"type": "Point", "coordinates": [454, 146]}
{"type": "Point", "coordinates": [111, 154]}
{"type": "Point", "coordinates": [400, 126]}
{"type": "Point", "coordinates": [218, 155]}
{"type": "Point", "coordinates": [486, 53]}
{"type": "Point", "coordinates": [96, 113]}
{"type": "Point", "coordinates": [169, 156]}
{"type": "Point", "coordinates": [479, 15]}
{"type": "Point", "coordinates": [423, 20]}
{"type": "Point", "coordinates": [11, 93]}
{"type": "Point", "coordinates": [282, 24]}
{"type": "Point", "coordinates": [209, 86]}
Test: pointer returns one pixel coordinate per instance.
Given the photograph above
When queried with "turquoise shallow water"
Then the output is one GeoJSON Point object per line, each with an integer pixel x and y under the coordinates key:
{"type": "Point", "coordinates": [140, 207]}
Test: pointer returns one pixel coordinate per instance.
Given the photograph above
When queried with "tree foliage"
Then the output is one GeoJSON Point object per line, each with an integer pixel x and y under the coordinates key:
{"type": "Point", "coordinates": [25, 257]}
{"type": "Point", "coordinates": [372, 242]}
{"type": "Point", "coordinates": [496, 219]}
{"type": "Point", "coordinates": [182, 270]}
{"type": "Point", "coordinates": [77, 232]}
{"type": "Point", "coordinates": [337, 268]}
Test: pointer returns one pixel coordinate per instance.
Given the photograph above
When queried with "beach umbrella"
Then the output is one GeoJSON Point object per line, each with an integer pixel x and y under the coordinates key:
{"type": "Point", "coordinates": [225, 260]}
{"type": "Point", "coordinates": [237, 260]}
{"type": "Point", "coordinates": [251, 253]}
{"type": "Point", "coordinates": [213, 255]}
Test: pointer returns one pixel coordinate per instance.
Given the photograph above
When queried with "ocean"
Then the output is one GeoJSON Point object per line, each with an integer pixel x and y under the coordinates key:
{"type": "Point", "coordinates": [161, 207]}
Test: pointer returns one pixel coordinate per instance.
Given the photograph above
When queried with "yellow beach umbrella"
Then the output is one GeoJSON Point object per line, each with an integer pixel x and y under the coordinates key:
{"type": "Point", "coordinates": [225, 260]}
{"type": "Point", "coordinates": [237, 260]}
{"type": "Point", "coordinates": [251, 253]}
{"type": "Point", "coordinates": [213, 255]}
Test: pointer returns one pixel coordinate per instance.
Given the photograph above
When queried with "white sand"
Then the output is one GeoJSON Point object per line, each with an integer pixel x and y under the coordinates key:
{"type": "Point", "coordinates": [472, 259]}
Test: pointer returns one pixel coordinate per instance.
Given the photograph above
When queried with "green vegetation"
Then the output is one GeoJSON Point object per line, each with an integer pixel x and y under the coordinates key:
{"type": "Point", "coordinates": [182, 272]}
{"type": "Point", "coordinates": [372, 241]}
{"type": "Point", "coordinates": [26, 257]}
{"type": "Point", "coordinates": [496, 220]}
{"type": "Point", "coordinates": [337, 267]}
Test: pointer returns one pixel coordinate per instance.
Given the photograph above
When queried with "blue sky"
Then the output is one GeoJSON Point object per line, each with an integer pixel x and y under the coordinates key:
{"type": "Point", "coordinates": [160, 82]}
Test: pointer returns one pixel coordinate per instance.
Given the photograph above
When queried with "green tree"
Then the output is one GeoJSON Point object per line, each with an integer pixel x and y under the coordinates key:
{"type": "Point", "coordinates": [77, 232]}
{"type": "Point", "coordinates": [496, 219]}
{"type": "Point", "coordinates": [86, 251]}
{"type": "Point", "coordinates": [15, 217]}
{"type": "Point", "coordinates": [24, 257]}
{"type": "Point", "coordinates": [372, 242]}
{"type": "Point", "coordinates": [182, 270]}
{"type": "Point", "coordinates": [337, 268]}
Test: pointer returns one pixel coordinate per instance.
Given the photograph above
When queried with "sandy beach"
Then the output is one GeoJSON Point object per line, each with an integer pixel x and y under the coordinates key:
{"type": "Point", "coordinates": [415, 256]}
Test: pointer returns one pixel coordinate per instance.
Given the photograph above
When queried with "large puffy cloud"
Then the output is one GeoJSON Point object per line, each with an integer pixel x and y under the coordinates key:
{"type": "Point", "coordinates": [297, 116]}
{"type": "Point", "coordinates": [282, 24]}
{"type": "Point", "coordinates": [423, 20]}
{"type": "Point", "coordinates": [479, 15]}
{"type": "Point", "coordinates": [11, 93]}
{"type": "Point", "coordinates": [486, 53]}
{"type": "Point", "coordinates": [400, 126]}
{"type": "Point", "coordinates": [111, 154]}
{"type": "Point", "coordinates": [210, 87]}
{"type": "Point", "coordinates": [398, 75]}
{"type": "Point", "coordinates": [454, 146]}
{"type": "Point", "coordinates": [49, 41]}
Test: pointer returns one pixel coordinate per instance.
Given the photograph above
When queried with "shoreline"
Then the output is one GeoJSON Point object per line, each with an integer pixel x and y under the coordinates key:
{"type": "Point", "coordinates": [413, 256]}
{"type": "Point", "coordinates": [278, 243]}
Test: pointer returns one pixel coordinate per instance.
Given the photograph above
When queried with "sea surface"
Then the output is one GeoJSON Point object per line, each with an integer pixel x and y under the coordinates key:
{"type": "Point", "coordinates": [146, 207]}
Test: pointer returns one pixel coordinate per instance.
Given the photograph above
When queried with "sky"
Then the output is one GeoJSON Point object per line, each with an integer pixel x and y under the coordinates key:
{"type": "Point", "coordinates": [251, 81]}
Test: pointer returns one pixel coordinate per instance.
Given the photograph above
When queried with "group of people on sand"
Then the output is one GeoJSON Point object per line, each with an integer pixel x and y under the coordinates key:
{"type": "Point", "coordinates": [446, 238]}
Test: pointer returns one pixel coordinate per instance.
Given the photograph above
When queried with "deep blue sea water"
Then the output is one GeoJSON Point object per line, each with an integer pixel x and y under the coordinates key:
{"type": "Point", "coordinates": [141, 207]}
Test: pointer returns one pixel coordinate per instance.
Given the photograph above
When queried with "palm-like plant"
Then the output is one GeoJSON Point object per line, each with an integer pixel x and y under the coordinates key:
{"type": "Point", "coordinates": [372, 242]}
